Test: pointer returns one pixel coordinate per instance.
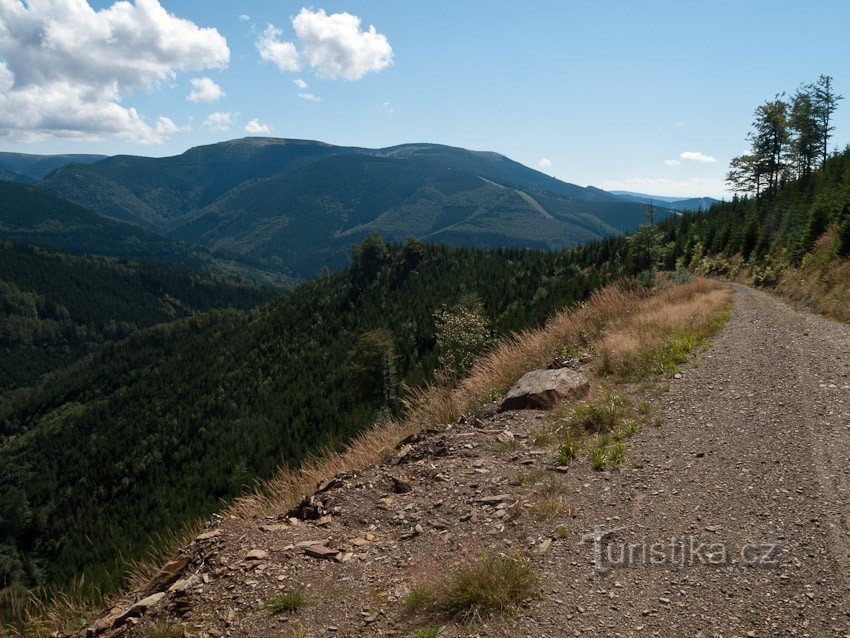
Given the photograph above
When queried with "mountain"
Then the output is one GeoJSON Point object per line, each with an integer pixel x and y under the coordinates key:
{"type": "Point", "coordinates": [55, 307]}
{"type": "Point", "coordinates": [30, 215]}
{"type": "Point", "coordinates": [300, 204]}
{"type": "Point", "coordinates": [679, 204]}
{"type": "Point", "coordinates": [25, 169]}
{"type": "Point", "coordinates": [152, 432]}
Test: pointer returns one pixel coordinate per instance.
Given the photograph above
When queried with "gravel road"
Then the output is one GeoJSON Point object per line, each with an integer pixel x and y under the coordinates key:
{"type": "Point", "coordinates": [753, 455]}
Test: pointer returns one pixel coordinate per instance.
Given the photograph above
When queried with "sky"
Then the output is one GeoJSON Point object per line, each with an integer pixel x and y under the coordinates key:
{"type": "Point", "coordinates": [652, 96]}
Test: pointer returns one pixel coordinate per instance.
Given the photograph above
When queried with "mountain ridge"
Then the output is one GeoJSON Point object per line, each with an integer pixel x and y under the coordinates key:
{"type": "Point", "coordinates": [299, 204]}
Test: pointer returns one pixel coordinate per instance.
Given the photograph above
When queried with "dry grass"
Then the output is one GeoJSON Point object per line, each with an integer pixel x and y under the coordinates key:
{"type": "Point", "coordinates": [822, 282]}
{"type": "Point", "coordinates": [492, 585]}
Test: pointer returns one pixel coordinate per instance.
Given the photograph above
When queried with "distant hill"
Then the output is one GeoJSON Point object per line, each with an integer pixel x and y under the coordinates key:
{"type": "Point", "coordinates": [679, 204]}
{"type": "Point", "coordinates": [299, 205]}
{"type": "Point", "coordinates": [56, 307]}
{"type": "Point", "coordinates": [25, 169]}
{"type": "Point", "coordinates": [33, 216]}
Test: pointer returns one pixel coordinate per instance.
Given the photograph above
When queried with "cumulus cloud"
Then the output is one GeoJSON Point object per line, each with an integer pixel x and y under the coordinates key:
{"type": "Point", "coordinates": [543, 163]}
{"type": "Point", "coordinates": [283, 54]}
{"type": "Point", "coordinates": [255, 127]}
{"type": "Point", "coordinates": [66, 68]}
{"type": "Point", "coordinates": [165, 126]}
{"type": "Point", "coordinates": [219, 121]}
{"type": "Point", "coordinates": [244, 17]}
{"type": "Point", "coordinates": [204, 90]}
{"type": "Point", "coordinates": [309, 97]}
{"type": "Point", "coordinates": [695, 156]}
{"type": "Point", "coordinates": [301, 84]}
{"type": "Point", "coordinates": [333, 46]}
{"type": "Point", "coordinates": [672, 162]}
{"type": "Point", "coordinates": [387, 108]}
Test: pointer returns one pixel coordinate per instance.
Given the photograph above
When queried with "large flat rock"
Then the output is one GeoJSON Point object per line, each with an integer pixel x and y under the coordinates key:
{"type": "Point", "coordinates": [542, 389]}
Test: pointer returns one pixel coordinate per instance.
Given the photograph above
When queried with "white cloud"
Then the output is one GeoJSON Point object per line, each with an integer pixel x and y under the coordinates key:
{"type": "Point", "coordinates": [543, 163]}
{"type": "Point", "coordinates": [693, 187]}
{"type": "Point", "coordinates": [696, 156]}
{"type": "Point", "coordinates": [244, 17]}
{"type": "Point", "coordinates": [672, 162]}
{"type": "Point", "coordinates": [166, 126]}
{"type": "Point", "coordinates": [283, 54]}
{"type": "Point", "coordinates": [66, 68]}
{"type": "Point", "coordinates": [333, 46]}
{"type": "Point", "coordinates": [309, 97]}
{"type": "Point", "coordinates": [255, 127]}
{"type": "Point", "coordinates": [301, 84]}
{"type": "Point", "coordinates": [387, 108]}
{"type": "Point", "coordinates": [219, 121]}
{"type": "Point", "coordinates": [204, 90]}
{"type": "Point", "coordinates": [680, 123]}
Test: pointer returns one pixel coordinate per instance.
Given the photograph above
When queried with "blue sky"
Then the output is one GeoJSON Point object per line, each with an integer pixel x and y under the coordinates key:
{"type": "Point", "coordinates": [605, 91]}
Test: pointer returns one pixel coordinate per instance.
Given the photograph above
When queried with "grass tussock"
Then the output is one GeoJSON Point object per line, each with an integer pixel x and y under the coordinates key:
{"type": "Point", "coordinates": [285, 602]}
{"type": "Point", "coordinates": [492, 585]}
{"type": "Point", "coordinates": [162, 630]}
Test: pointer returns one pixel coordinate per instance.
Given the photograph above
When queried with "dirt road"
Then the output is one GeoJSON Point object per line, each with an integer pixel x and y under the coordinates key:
{"type": "Point", "coordinates": [753, 456]}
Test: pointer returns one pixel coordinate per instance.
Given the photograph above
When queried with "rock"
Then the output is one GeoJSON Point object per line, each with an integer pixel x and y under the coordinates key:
{"type": "Point", "coordinates": [320, 551]}
{"type": "Point", "coordinates": [166, 575]}
{"type": "Point", "coordinates": [492, 500]}
{"type": "Point", "coordinates": [276, 527]}
{"type": "Point", "coordinates": [400, 486]}
{"type": "Point", "coordinates": [182, 585]}
{"type": "Point", "coordinates": [544, 546]}
{"type": "Point", "coordinates": [208, 535]}
{"type": "Point", "coordinates": [257, 554]}
{"type": "Point", "coordinates": [309, 509]}
{"type": "Point", "coordinates": [542, 389]}
{"type": "Point", "coordinates": [136, 610]}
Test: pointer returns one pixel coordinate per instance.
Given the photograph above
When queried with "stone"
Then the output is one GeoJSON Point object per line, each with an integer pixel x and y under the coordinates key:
{"type": "Point", "coordinates": [400, 486]}
{"type": "Point", "coordinates": [139, 608]}
{"type": "Point", "coordinates": [208, 535]}
{"type": "Point", "coordinates": [543, 389]}
{"type": "Point", "coordinates": [169, 573]}
{"type": "Point", "coordinates": [257, 554]}
{"type": "Point", "coordinates": [320, 551]}
{"type": "Point", "coordinates": [492, 500]}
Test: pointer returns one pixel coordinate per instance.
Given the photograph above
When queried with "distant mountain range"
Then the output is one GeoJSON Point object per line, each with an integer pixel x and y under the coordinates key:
{"type": "Point", "coordinates": [26, 169]}
{"type": "Point", "coordinates": [680, 204]}
{"type": "Point", "coordinates": [295, 206]}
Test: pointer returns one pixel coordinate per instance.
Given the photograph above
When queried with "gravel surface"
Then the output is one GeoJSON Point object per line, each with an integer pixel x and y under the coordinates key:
{"type": "Point", "coordinates": [754, 452]}
{"type": "Point", "coordinates": [749, 468]}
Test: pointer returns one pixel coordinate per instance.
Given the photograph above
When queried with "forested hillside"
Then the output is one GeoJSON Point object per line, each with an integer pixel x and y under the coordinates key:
{"type": "Point", "coordinates": [26, 169]}
{"type": "Point", "coordinates": [34, 216]}
{"type": "Point", "coordinates": [153, 431]}
{"type": "Point", "coordinates": [790, 228]}
{"type": "Point", "coordinates": [299, 205]}
{"type": "Point", "coordinates": [56, 307]}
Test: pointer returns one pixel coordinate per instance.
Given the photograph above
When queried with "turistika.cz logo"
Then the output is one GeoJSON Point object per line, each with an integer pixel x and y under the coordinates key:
{"type": "Point", "coordinates": [679, 551]}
